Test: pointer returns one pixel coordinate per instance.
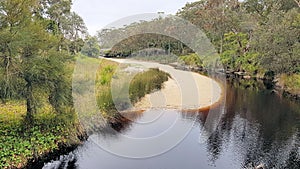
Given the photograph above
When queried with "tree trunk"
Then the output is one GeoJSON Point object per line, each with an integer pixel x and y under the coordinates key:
{"type": "Point", "coordinates": [222, 43]}
{"type": "Point", "coordinates": [29, 103]}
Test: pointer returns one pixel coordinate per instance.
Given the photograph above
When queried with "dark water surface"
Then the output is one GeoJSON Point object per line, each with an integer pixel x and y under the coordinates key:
{"type": "Point", "coordinates": [257, 126]}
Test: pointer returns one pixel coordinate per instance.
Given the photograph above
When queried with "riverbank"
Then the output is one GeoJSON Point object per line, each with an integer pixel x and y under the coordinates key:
{"type": "Point", "coordinates": [22, 144]}
{"type": "Point", "coordinates": [286, 85]}
{"type": "Point", "coordinates": [25, 146]}
{"type": "Point", "coordinates": [184, 91]}
{"type": "Point", "coordinates": [51, 134]}
{"type": "Point", "coordinates": [289, 85]}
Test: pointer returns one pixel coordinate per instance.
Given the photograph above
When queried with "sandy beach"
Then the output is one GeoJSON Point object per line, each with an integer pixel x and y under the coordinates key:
{"type": "Point", "coordinates": [184, 91]}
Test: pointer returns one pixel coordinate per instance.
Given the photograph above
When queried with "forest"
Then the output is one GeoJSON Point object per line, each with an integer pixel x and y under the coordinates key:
{"type": "Point", "coordinates": [258, 38]}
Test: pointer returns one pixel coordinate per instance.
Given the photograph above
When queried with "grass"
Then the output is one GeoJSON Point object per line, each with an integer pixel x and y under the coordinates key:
{"type": "Point", "coordinates": [291, 83]}
{"type": "Point", "coordinates": [103, 88]}
{"type": "Point", "coordinates": [141, 84]}
{"type": "Point", "coordinates": [145, 82]}
{"type": "Point", "coordinates": [21, 143]}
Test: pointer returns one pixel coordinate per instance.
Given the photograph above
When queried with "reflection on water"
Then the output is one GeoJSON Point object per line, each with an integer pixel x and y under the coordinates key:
{"type": "Point", "coordinates": [257, 127]}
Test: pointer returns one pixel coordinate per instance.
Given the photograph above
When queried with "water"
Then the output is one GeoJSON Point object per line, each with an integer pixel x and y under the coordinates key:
{"type": "Point", "coordinates": [256, 127]}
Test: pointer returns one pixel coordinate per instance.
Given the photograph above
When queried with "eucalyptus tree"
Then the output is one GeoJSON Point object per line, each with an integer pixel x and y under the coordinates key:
{"type": "Point", "coordinates": [61, 21]}
{"type": "Point", "coordinates": [215, 17]}
{"type": "Point", "coordinates": [74, 30]}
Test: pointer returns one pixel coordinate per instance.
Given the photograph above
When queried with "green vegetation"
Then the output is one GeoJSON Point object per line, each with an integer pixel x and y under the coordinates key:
{"type": "Point", "coordinates": [109, 38]}
{"type": "Point", "coordinates": [103, 88]}
{"type": "Point", "coordinates": [259, 38]}
{"type": "Point", "coordinates": [145, 82]}
{"type": "Point", "coordinates": [38, 43]}
{"type": "Point", "coordinates": [291, 83]}
{"type": "Point", "coordinates": [21, 143]}
{"type": "Point", "coordinates": [142, 83]}
{"type": "Point", "coordinates": [36, 53]}
{"type": "Point", "coordinates": [192, 59]}
{"type": "Point", "coordinates": [49, 130]}
{"type": "Point", "coordinates": [91, 47]}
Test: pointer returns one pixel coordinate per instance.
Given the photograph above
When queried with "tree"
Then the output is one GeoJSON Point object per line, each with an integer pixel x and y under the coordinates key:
{"type": "Point", "coordinates": [91, 47]}
{"type": "Point", "coordinates": [61, 21]}
{"type": "Point", "coordinates": [74, 30]}
{"type": "Point", "coordinates": [236, 55]}
{"type": "Point", "coordinates": [34, 67]}
{"type": "Point", "coordinates": [277, 42]}
{"type": "Point", "coordinates": [215, 17]}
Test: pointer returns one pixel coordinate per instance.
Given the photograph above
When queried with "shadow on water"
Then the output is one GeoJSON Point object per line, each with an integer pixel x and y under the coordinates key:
{"type": "Point", "coordinates": [257, 127]}
{"type": "Point", "coordinates": [262, 126]}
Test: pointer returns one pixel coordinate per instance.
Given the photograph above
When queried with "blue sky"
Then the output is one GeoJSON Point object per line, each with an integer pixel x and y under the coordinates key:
{"type": "Point", "coordinates": [99, 13]}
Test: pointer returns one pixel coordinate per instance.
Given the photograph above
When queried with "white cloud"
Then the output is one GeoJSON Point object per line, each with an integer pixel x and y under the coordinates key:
{"type": "Point", "coordinates": [97, 14]}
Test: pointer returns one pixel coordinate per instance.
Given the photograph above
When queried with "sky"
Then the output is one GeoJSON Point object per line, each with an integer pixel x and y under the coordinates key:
{"type": "Point", "coordinates": [97, 14]}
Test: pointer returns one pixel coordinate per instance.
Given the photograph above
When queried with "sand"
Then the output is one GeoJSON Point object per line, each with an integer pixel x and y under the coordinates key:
{"type": "Point", "coordinates": [184, 91]}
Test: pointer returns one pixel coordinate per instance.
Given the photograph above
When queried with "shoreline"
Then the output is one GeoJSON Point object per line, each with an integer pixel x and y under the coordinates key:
{"type": "Point", "coordinates": [185, 90]}
{"type": "Point", "coordinates": [172, 92]}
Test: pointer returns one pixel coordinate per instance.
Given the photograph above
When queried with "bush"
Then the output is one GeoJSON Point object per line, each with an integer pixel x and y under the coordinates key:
{"type": "Point", "coordinates": [191, 60]}
{"type": "Point", "coordinates": [21, 143]}
{"type": "Point", "coordinates": [291, 83]}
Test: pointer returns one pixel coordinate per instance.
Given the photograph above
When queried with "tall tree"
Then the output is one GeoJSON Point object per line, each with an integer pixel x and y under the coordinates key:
{"type": "Point", "coordinates": [29, 55]}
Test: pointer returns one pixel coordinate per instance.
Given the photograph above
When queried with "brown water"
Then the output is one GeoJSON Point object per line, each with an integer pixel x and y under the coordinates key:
{"type": "Point", "coordinates": [257, 126]}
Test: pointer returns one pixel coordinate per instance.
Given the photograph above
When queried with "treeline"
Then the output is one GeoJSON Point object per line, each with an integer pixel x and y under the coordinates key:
{"type": "Point", "coordinates": [256, 37]}
{"type": "Point", "coordinates": [38, 42]}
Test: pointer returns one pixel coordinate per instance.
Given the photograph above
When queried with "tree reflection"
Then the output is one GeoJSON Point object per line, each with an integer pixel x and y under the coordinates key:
{"type": "Point", "coordinates": [260, 126]}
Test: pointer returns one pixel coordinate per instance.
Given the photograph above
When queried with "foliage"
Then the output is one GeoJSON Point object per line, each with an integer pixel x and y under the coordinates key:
{"type": "Point", "coordinates": [145, 82]}
{"type": "Point", "coordinates": [91, 47]}
{"type": "Point", "coordinates": [255, 36]}
{"type": "Point", "coordinates": [290, 83]}
{"type": "Point", "coordinates": [20, 144]}
{"type": "Point", "coordinates": [33, 55]}
{"type": "Point", "coordinates": [277, 42]}
{"type": "Point", "coordinates": [236, 55]}
{"type": "Point", "coordinates": [191, 60]}
{"type": "Point", "coordinates": [37, 43]}
{"type": "Point", "coordinates": [103, 85]}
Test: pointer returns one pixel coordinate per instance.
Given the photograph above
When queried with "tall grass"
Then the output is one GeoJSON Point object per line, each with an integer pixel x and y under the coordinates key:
{"type": "Point", "coordinates": [103, 88]}
{"type": "Point", "coordinates": [20, 143]}
{"type": "Point", "coordinates": [145, 82]}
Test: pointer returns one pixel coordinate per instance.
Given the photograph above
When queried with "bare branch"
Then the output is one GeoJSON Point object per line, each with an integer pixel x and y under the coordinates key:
{"type": "Point", "coordinates": [298, 2]}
